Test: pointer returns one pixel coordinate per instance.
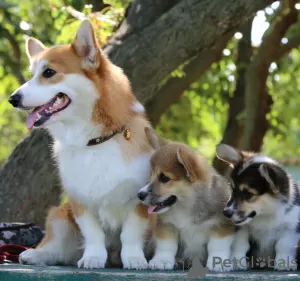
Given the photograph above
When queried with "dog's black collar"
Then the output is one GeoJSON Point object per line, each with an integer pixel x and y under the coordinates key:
{"type": "Point", "coordinates": [106, 138]}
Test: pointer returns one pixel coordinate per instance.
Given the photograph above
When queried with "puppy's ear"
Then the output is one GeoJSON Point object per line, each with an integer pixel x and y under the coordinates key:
{"type": "Point", "coordinates": [86, 47]}
{"type": "Point", "coordinates": [228, 154]}
{"type": "Point", "coordinates": [33, 46]}
{"type": "Point", "coordinates": [275, 177]}
{"type": "Point", "coordinates": [155, 140]}
{"type": "Point", "coordinates": [191, 161]}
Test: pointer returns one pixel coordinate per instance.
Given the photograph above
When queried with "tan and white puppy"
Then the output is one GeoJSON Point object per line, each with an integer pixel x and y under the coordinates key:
{"type": "Point", "coordinates": [100, 147]}
{"type": "Point", "coordinates": [189, 197]}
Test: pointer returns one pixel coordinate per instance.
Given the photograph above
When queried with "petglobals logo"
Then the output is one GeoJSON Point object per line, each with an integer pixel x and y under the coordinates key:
{"type": "Point", "coordinates": [245, 262]}
{"type": "Point", "coordinates": [197, 269]}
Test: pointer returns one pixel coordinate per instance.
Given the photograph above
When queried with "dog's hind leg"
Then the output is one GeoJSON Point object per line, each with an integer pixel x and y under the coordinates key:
{"type": "Point", "coordinates": [61, 244]}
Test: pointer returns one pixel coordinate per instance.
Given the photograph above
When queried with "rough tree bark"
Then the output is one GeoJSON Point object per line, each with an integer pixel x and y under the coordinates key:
{"type": "Point", "coordinates": [170, 92]}
{"type": "Point", "coordinates": [29, 181]}
{"type": "Point", "coordinates": [174, 32]}
{"type": "Point", "coordinates": [181, 33]}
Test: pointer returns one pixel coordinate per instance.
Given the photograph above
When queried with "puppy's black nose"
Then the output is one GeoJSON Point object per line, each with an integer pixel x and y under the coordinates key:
{"type": "Point", "coordinates": [15, 99]}
{"type": "Point", "coordinates": [142, 195]}
{"type": "Point", "coordinates": [228, 212]}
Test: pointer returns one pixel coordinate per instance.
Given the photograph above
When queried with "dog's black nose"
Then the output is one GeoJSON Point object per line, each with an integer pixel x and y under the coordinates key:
{"type": "Point", "coordinates": [142, 195]}
{"type": "Point", "coordinates": [228, 212]}
{"type": "Point", "coordinates": [15, 99]}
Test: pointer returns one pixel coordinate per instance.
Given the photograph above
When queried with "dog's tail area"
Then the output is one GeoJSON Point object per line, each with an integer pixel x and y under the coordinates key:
{"type": "Point", "coordinates": [62, 241]}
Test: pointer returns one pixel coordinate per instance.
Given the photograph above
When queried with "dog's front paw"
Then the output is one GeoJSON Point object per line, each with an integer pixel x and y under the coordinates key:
{"type": "Point", "coordinates": [133, 259]}
{"type": "Point", "coordinates": [162, 262]}
{"type": "Point", "coordinates": [33, 256]}
{"type": "Point", "coordinates": [92, 260]}
{"type": "Point", "coordinates": [39, 257]}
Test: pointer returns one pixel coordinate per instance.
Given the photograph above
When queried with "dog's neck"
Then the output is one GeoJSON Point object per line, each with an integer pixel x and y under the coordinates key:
{"type": "Point", "coordinates": [75, 133]}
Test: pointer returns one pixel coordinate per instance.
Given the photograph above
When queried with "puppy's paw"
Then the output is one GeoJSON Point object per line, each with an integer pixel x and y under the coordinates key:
{"type": "Point", "coordinates": [162, 262]}
{"type": "Point", "coordinates": [92, 260]}
{"type": "Point", "coordinates": [36, 257]}
{"type": "Point", "coordinates": [133, 259]}
{"type": "Point", "coordinates": [135, 263]}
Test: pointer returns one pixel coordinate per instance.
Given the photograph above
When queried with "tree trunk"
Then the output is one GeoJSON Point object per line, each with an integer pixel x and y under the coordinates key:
{"type": "Point", "coordinates": [174, 32]}
{"type": "Point", "coordinates": [29, 181]}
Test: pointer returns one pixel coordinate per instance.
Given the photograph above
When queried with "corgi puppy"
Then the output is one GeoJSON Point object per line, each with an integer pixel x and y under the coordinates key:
{"type": "Point", "coordinates": [189, 198]}
{"type": "Point", "coordinates": [100, 147]}
{"type": "Point", "coordinates": [265, 204]}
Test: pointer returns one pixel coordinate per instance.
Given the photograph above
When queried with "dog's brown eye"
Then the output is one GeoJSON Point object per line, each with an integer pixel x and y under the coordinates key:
{"type": "Point", "coordinates": [48, 73]}
{"type": "Point", "coordinates": [163, 178]}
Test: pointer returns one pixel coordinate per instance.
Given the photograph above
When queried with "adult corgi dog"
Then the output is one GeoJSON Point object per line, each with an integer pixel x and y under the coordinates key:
{"type": "Point", "coordinates": [189, 198]}
{"type": "Point", "coordinates": [265, 204]}
{"type": "Point", "coordinates": [86, 103]}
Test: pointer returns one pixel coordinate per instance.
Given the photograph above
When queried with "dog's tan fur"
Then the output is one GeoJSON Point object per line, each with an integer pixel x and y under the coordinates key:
{"type": "Point", "coordinates": [110, 107]}
{"type": "Point", "coordinates": [64, 213]}
{"type": "Point", "coordinates": [193, 182]}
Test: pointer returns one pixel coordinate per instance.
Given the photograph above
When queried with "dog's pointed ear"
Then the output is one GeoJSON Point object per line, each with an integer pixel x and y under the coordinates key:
{"type": "Point", "coordinates": [228, 154]}
{"type": "Point", "coordinates": [155, 140]}
{"type": "Point", "coordinates": [85, 46]}
{"type": "Point", "coordinates": [34, 46]}
{"type": "Point", "coordinates": [191, 161]}
{"type": "Point", "coordinates": [274, 176]}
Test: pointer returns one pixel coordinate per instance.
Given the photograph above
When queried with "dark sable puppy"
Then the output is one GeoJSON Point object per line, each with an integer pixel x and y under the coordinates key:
{"type": "Point", "coordinates": [265, 203]}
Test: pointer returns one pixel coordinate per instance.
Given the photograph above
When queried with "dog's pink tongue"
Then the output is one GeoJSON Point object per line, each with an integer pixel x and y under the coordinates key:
{"type": "Point", "coordinates": [31, 119]}
{"type": "Point", "coordinates": [151, 209]}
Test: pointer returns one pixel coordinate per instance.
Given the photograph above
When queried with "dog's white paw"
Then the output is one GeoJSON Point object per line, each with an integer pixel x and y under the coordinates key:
{"type": "Point", "coordinates": [35, 256]}
{"type": "Point", "coordinates": [133, 259]}
{"type": "Point", "coordinates": [93, 260]}
{"type": "Point", "coordinates": [135, 263]}
{"type": "Point", "coordinates": [162, 262]}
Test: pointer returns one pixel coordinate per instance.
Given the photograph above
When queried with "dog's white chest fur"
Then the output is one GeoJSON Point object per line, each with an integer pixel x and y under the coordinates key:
{"type": "Point", "coordinates": [101, 178]}
{"type": "Point", "coordinates": [266, 232]}
{"type": "Point", "coordinates": [194, 236]}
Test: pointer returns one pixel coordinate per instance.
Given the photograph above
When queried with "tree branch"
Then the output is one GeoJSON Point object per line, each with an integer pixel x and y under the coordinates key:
{"type": "Point", "coordinates": [292, 43]}
{"type": "Point", "coordinates": [175, 87]}
{"type": "Point", "coordinates": [178, 35]}
{"type": "Point", "coordinates": [257, 98]}
{"type": "Point", "coordinates": [141, 14]}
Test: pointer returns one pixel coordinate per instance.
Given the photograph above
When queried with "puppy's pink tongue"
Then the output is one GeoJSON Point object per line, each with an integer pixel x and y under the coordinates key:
{"type": "Point", "coordinates": [151, 209]}
{"type": "Point", "coordinates": [31, 119]}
